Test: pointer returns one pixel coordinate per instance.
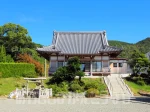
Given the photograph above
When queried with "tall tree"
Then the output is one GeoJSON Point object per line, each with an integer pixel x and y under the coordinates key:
{"type": "Point", "coordinates": [14, 37]}
{"type": "Point", "coordinates": [138, 61]}
{"type": "Point", "coordinates": [2, 54]}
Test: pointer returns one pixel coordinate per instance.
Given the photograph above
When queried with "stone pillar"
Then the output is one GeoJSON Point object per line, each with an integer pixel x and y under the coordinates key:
{"type": "Point", "coordinates": [27, 88]}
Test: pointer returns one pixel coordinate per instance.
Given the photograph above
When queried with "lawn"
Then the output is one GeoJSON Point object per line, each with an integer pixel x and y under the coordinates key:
{"type": "Point", "coordinates": [8, 85]}
{"type": "Point", "coordinates": [99, 81]}
{"type": "Point", "coordinates": [135, 88]}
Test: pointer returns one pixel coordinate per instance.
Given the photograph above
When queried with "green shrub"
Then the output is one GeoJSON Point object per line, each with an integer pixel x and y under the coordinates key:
{"type": "Point", "coordinates": [59, 76]}
{"type": "Point", "coordinates": [29, 75]}
{"type": "Point", "coordinates": [75, 87]}
{"type": "Point", "coordinates": [92, 84]}
{"type": "Point", "coordinates": [64, 86]}
{"type": "Point", "coordinates": [17, 70]}
{"type": "Point", "coordinates": [60, 89]}
{"type": "Point", "coordinates": [92, 92]}
{"type": "Point", "coordinates": [55, 89]}
{"type": "Point", "coordinates": [140, 82]}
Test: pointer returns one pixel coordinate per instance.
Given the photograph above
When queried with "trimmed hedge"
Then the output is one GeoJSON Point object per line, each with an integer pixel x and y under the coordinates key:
{"type": "Point", "coordinates": [17, 70]}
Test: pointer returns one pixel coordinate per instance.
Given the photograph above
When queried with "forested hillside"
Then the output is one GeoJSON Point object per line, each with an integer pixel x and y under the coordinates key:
{"type": "Point", "coordinates": [143, 46]}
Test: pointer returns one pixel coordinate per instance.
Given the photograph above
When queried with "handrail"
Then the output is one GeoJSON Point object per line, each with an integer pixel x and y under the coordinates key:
{"type": "Point", "coordinates": [126, 86]}
{"type": "Point", "coordinates": [110, 87]}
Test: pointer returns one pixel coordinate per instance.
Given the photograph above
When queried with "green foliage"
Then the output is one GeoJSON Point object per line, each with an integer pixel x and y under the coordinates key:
{"type": "Point", "coordinates": [59, 89]}
{"type": "Point", "coordinates": [75, 87]}
{"type": "Point", "coordinates": [33, 53]}
{"type": "Point", "coordinates": [15, 35]}
{"type": "Point", "coordinates": [69, 72]}
{"type": "Point", "coordinates": [2, 54]}
{"type": "Point", "coordinates": [3, 57]}
{"type": "Point", "coordinates": [25, 58]}
{"type": "Point", "coordinates": [142, 46]}
{"type": "Point", "coordinates": [60, 75]}
{"type": "Point", "coordinates": [17, 70]}
{"type": "Point", "coordinates": [80, 74]}
{"type": "Point", "coordinates": [136, 87]}
{"type": "Point", "coordinates": [92, 92]}
{"type": "Point", "coordinates": [95, 83]}
{"type": "Point", "coordinates": [138, 61]}
{"type": "Point", "coordinates": [73, 66]}
{"type": "Point", "coordinates": [9, 59]}
{"type": "Point", "coordinates": [140, 82]}
{"type": "Point", "coordinates": [92, 84]}
{"type": "Point", "coordinates": [16, 40]}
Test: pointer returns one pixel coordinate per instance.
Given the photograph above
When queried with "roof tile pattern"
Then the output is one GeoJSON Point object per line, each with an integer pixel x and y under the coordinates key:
{"type": "Point", "coordinates": [79, 43]}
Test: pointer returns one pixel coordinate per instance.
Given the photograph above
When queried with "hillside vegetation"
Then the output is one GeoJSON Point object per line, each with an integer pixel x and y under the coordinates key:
{"type": "Point", "coordinates": [142, 46]}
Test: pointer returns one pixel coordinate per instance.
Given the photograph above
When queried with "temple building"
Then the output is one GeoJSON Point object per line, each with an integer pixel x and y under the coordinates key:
{"type": "Point", "coordinates": [96, 56]}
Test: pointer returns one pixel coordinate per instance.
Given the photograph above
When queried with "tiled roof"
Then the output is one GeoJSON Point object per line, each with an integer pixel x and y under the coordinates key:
{"type": "Point", "coordinates": [79, 43]}
{"type": "Point", "coordinates": [50, 48]}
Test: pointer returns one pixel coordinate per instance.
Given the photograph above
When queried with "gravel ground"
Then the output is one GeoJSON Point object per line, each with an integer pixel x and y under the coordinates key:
{"type": "Point", "coordinates": [137, 104]}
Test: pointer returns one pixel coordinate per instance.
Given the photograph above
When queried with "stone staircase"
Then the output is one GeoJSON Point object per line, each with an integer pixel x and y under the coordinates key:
{"type": "Point", "coordinates": [117, 87]}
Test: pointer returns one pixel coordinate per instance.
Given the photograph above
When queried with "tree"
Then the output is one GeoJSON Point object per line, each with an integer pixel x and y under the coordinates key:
{"type": "Point", "coordinates": [138, 61]}
{"type": "Point", "coordinates": [73, 66]}
{"type": "Point", "coordinates": [2, 54]}
{"type": "Point", "coordinates": [14, 37]}
{"type": "Point", "coordinates": [3, 57]}
{"type": "Point", "coordinates": [68, 72]}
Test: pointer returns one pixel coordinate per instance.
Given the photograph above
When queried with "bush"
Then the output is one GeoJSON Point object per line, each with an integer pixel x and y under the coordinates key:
{"type": "Point", "coordinates": [140, 82]}
{"type": "Point", "coordinates": [92, 84]}
{"type": "Point", "coordinates": [28, 59]}
{"type": "Point", "coordinates": [64, 86]}
{"type": "Point", "coordinates": [59, 90]}
{"type": "Point", "coordinates": [75, 87]}
{"type": "Point", "coordinates": [92, 92]}
{"type": "Point", "coordinates": [16, 70]}
{"type": "Point", "coordinates": [59, 76]}
{"type": "Point", "coordinates": [29, 75]}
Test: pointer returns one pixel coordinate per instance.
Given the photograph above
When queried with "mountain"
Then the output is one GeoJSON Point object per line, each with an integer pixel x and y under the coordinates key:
{"type": "Point", "coordinates": [143, 46]}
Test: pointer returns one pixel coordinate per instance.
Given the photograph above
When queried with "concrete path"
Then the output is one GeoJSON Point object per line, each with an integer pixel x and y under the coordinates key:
{"type": "Point", "coordinates": [119, 88]}
{"type": "Point", "coordinates": [76, 105]}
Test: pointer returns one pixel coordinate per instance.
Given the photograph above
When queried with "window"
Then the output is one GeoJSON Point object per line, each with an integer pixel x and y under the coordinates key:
{"type": "Point", "coordinates": [114, 64]}
{"type": "Point", "coordinates": [120, 64]}
{"type": "Point", "coordinates": [60, 64]}
{"type": "Point", "coordinates": [85, 66]}
{"type": "Point", "coordinates": [96, 66]}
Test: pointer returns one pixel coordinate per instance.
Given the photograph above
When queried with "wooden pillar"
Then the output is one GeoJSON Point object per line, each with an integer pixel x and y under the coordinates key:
{"type": "Point", "coordinates": [45, 67]}
{"type": "Point", "coordinates": [64, 60]}
{"type": "Point", "coordinates": [57, 62]}
{"type": "Point", "coordinates": [91, 66]}
{"type": "Point", "coordinates": [101, 63]}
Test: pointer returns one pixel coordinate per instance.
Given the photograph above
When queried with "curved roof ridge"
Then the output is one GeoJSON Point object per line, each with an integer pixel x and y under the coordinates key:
{"type": "Point", "coordinates": [68, 32]}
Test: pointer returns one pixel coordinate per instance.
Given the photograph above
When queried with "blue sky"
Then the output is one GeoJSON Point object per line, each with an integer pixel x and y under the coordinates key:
{"type": "Point", "coordinates": [123, 20]}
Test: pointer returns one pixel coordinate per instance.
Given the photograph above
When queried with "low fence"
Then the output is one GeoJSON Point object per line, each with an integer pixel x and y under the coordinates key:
{"type": "Point", "coordinates": [33, 93]}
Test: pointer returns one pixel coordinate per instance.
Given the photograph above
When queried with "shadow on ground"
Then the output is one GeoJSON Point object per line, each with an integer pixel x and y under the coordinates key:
{"type": "Point", "coordinates": [136, 100]}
